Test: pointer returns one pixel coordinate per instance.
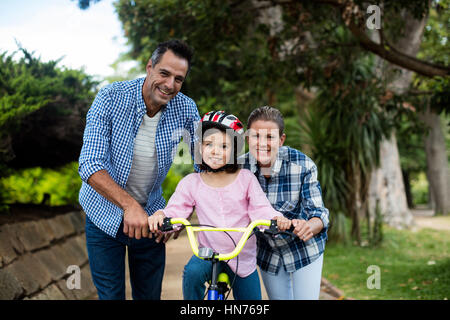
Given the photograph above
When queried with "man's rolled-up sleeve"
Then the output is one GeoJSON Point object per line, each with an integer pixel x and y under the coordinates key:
{"type": "Point", "coordinates": [96, 138]}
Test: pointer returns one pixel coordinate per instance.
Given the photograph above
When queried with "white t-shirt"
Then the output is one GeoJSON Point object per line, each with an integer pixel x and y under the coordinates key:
{"type": "Point", "coordinates": [144, 169]}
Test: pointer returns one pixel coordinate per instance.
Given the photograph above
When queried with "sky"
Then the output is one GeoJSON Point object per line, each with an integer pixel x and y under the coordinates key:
{"type": "Point", "coordinates": [91, 38]}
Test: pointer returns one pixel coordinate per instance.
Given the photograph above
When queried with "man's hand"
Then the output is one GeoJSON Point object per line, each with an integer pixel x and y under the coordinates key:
{"type": "Point", "coordinates": [134, 217]}
{"type": "Point", "coordinates": [135, 224]}
{"type": "Point", "coordinates": [166, 236]}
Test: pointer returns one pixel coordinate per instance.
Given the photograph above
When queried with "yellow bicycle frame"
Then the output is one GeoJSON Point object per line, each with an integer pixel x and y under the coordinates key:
{"type": "Point", "coordinates": [222, 256]}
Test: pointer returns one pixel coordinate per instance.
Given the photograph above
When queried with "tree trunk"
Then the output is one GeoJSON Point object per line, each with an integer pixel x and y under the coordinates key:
{"type": "Point", "coordinates": [437, 163]}
{"type": "Point", "coordinates": [354, 201]}
{"type": "Point", "coordinates": [387, 182]}
{"type": "Point", "coordinates": [407, 183]}
{"type": "Point", "coordinates": [387, 187]}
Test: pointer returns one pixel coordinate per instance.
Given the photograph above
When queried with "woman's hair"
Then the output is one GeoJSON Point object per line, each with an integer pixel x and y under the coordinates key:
{"type": "Point", "coordinates": [237, 144]}
{"type": "Point", "coordinates": [267, 113]}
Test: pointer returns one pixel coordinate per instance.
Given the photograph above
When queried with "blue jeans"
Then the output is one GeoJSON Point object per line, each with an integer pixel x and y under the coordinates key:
{"type": "Point", "coordinates": [146, 260]}
{"type": "Point", "coordinates": [198, 271]}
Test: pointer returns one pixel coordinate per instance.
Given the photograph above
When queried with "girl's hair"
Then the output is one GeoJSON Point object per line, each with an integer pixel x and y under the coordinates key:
{"type": "Point", "coordinates": [238, 142]}
{"type": "Point", "coordinates": [267, 113]}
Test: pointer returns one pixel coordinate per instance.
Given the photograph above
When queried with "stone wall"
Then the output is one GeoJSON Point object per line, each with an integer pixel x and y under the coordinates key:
{"type": "Point", "coordinates": [45, 259]}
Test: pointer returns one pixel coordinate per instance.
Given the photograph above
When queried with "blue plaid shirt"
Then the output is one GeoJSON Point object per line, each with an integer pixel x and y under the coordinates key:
{"type": "Point", "coordinates": [294, 191]}
{"type": "Point", "coordinates": [112, 123]}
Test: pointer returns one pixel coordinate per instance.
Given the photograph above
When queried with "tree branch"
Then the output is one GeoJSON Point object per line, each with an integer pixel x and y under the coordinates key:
{"type": "Point", "coordinates": [387, 51]}
{"type": "Point", "coordinates": [392, 55]}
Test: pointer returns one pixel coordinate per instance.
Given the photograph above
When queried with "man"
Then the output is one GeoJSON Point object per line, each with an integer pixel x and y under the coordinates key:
{"type": "Point", "coordinates": [127, 151]}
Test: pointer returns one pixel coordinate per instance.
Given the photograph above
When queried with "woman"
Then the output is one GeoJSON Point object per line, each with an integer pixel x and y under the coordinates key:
{"type": "Point", "coordinates": [291, 268]}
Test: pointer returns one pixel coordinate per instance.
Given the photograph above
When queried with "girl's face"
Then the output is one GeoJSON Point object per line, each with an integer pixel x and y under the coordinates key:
{"type": "Point", "coordinates": [264, 140]}
{"type": "Point", "coordinates": [216, 148]}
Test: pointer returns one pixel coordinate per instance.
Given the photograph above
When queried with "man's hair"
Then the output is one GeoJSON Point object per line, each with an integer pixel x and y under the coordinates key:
{"type": "Point", "coordinates": [267, 113]}
{"type": "Point", "coordinates": [178, 47]}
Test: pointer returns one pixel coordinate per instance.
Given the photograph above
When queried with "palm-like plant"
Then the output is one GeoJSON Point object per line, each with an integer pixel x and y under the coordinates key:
{"type": "Point", "coordinates": [344, 127]}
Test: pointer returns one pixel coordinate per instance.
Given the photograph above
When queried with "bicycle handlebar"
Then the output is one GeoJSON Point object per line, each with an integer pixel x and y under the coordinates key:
{"type": "Point", "coordinates": [190, 229]}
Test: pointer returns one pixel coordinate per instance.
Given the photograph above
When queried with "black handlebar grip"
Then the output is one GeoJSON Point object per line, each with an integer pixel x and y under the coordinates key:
{"type": "Point", "coordinates": [166, 226]}
{"type": "Point", "coordinates": [291, 229]}
{"type": "Point", "coordinates": [273, 229]}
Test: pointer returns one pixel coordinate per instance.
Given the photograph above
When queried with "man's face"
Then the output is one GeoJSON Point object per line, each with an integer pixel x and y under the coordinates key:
{"type": "Point", "coordinates": [164, 80]}
{"type": "Point", "coordinates": [264, 140]}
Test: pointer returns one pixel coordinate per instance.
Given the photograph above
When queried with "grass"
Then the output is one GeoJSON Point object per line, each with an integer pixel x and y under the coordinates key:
{"type": "Point", "coordinates": [413, 265]}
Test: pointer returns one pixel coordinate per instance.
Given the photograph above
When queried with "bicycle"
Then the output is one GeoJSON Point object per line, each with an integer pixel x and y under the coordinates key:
{"type": "Point", "coordinates": [220, 283]}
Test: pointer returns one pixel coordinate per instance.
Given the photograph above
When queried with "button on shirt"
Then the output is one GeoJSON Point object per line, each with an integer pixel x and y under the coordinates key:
{"type": "Point", "coordinates": [293, 190]}
{"type": "Point", "coordinates": [112, 124]}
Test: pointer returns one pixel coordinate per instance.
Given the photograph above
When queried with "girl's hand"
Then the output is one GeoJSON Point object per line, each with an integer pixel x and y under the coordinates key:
{"type": "Point", "coordinates": [302, 229]}
{"type": "Point", "coordinates": [282, 223]}
{"type": "Point", "coordinates": [154, 221]}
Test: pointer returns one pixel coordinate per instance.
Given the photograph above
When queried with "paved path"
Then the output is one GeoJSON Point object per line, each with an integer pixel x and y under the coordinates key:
{"type": "Point", "coordinates": [424, 219]}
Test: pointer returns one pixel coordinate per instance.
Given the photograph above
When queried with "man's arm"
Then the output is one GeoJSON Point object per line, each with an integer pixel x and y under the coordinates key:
{"type": "Point", "coordinates": [102, 182]}
{"type": "Point", "coordinates": [92, 164]}
{"type": "Point", "coordinates": [134, 217]}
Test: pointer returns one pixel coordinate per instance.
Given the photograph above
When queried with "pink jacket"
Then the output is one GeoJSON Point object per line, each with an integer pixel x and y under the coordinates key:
{"type": "Point", "coordinates": [232, 206]}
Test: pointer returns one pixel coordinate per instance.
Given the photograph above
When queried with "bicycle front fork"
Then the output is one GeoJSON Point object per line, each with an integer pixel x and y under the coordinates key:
{"type": "Point", "coordinates": [219, 283]}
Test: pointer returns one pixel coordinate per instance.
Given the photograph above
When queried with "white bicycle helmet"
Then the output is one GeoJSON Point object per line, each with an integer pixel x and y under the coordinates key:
{"type": "Point", "coordinates": [223, 119]}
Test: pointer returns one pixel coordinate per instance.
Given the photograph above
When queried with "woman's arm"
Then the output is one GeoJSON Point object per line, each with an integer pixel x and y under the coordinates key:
{"type": "Point", "coordinates": [317, 216]}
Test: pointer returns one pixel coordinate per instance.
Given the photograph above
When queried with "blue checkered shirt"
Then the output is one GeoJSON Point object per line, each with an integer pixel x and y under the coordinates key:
{"type": "Point", "coordinates": [112, 123]}
{"type": "Point", "coordinates": [293, 190]}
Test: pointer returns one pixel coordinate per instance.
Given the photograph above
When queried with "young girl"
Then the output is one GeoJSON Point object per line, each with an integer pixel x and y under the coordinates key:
{"type": "Point", "coordinates": [224, 196]}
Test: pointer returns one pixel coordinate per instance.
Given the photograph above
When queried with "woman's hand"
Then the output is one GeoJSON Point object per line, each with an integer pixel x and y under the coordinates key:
{"type": "Point", "coordinates": [305, 230]}
{"type": "Point", "coordinates": [282, 223]}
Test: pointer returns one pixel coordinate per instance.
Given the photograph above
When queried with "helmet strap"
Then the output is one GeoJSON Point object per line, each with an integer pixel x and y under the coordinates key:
{"type": "Point", "coordinates": [209, 169]}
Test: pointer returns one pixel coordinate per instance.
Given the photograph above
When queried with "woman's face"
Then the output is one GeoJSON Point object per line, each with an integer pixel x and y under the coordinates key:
{"type": "Point", "coordinates": [264, 140]}
{"type": "Point", "coordinates": [216, 148]}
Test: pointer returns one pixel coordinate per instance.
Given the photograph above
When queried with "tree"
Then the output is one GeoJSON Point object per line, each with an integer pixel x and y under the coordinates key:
{"type": "Point", "coordinates": [432, 110]}
{"type": "Point", "coordinates": [354, 18]}
{"type": "Point", "coordinates": [251, 53]}
{"type": "Point", "coordinates": [42, 108]}
{"type": "Point", "coordinates": [346, 125]}
{"type": "Point", "coordinates": [432, 99]}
